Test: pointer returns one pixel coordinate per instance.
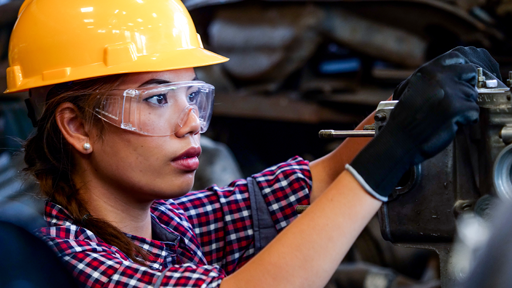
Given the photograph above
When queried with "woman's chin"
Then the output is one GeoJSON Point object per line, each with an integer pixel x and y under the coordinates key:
{"type": "Point", "coordinates": [177, 191]}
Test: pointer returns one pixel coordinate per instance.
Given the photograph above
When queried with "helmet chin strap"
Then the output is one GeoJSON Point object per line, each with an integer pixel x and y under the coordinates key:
{"type": "Point", "coordinates": [31, 113]}
{"type": "Point", "coordinates": [36, 102]}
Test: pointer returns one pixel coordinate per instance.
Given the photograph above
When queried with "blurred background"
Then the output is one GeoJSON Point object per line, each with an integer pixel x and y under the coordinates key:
{"type": "Point", "coordinates": [296, 67]}
{"type": "Point", "coordinates": [300, 66]}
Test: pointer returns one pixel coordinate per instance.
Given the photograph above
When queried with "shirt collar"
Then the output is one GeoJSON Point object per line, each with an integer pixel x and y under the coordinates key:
{"type": "Point", "coordinates": [56, 215]}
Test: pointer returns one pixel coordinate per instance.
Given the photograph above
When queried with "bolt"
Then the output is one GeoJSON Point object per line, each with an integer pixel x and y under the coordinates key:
{"type": "Point", "coordinates": [462, 206]}
{"type": "Point", "coordinates": [481, 78]}
{"type": "Point", "coordinates": [381, 117]}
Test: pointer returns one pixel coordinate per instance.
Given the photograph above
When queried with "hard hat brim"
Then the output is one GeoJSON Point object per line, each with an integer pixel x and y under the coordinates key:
{"type": "Point", "coordinates": [177, 59]}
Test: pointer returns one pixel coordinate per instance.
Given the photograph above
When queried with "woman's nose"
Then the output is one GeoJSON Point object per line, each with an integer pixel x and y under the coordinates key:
{"type": "Point", "coordinates": [189, 124]}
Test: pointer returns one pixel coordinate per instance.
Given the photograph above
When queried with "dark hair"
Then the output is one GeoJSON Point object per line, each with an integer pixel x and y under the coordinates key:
{"type": "Point", "coordinates": [49, 159]}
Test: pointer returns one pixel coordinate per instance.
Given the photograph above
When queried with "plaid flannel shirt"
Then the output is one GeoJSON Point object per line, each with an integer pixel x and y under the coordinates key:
{"type": "Point", "coordinates": [198, 239]}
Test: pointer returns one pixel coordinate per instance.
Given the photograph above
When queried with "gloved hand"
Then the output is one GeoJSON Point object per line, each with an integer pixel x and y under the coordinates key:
{"type": "Point", "coordinates": [437, 97]}
{"type": "Point", "coordinates": [477, 56]}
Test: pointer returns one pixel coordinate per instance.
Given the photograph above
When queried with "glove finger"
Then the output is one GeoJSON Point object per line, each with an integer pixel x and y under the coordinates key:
{"type": "Point", "coordinates": [460, 105]}
{"type": "Point", "coordinates": [447, 59]}
{"type": "Point", "coordinates": [438, 143]}
{"type": "Point", "coordinates": [468, 114]}
{"type": "Point", "coordinates": [481, 57]}
{"type": "Point", "coordinates": [468, 91]}
{"type": "Point", "coordinates": [399, 90]}
{"type": "Point", "coordinates": [468, 73]}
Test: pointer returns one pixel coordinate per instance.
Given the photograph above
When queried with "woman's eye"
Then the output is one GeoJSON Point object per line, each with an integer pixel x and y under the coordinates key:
{"type": "Point", "coordinates": [192, 97]}
{"type": "Point", "coordinates": [159, 99]}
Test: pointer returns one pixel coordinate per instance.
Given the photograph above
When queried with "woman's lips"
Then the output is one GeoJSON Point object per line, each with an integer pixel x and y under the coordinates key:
{"type": "Point", "coordinates": [187, 160]}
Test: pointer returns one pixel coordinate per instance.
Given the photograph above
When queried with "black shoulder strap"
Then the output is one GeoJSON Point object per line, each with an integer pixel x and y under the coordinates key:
{"type": "Point", "coordinates": [264, 228]}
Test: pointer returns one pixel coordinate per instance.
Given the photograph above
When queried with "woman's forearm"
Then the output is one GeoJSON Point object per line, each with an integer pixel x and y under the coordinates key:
{"type": "Point", "coordinates": [306, 253]}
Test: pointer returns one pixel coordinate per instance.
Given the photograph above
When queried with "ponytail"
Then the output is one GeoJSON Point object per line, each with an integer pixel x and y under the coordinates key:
{"type": "Point", "coordinates": [49, 159]}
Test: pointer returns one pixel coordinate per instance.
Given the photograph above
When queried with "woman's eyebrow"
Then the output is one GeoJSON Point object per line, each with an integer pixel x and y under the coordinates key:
{"type": "Point", "coordinates": [159, 82]}
{"type": "Point", "coordinates": [154, 81]}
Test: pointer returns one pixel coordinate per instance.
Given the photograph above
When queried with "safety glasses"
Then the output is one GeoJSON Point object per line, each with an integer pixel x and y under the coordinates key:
{"type": "Point", "coordinates": [159, 110]}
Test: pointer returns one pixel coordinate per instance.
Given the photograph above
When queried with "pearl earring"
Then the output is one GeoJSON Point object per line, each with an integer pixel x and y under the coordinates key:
{"type": "Point", "coordinates": [87, 146]}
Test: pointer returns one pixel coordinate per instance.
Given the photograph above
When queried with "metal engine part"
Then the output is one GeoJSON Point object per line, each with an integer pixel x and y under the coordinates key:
{"type": "Point", "coordinates": [474, 169]}
{"type": "Point", "coordinates": [477, 163]}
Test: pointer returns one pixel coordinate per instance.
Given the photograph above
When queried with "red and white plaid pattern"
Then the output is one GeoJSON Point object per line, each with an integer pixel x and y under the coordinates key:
{"type": "Point", "coordinates": [214, 230]}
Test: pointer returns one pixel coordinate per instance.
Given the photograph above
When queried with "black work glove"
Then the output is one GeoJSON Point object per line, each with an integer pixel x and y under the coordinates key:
{"type": "Point", "coordinates": [477, 56]}
{"type": "Point", "coordinates": [437, 98]}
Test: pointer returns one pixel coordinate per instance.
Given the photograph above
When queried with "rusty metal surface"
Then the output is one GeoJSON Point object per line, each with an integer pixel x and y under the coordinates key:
{"type": "Point", "coordinates": [267, 43]}
{"type": "Point", "coordinates": [452, 182]}
{"type": "Point", "coordinates": [426, 213]}
{"type": "Point", "coordinates": [280, 107]}
{"type": "Point", "coordinates": [444, 252]}
{"type": "Point", "coordinates": [274, 43]}
{"type": "Point", "coordinates": [367, 95]}
{"type": "Point", "coordinates": [374, 38]}
{"type": "Point", "coordinates": [492, 119]}
{"type": "Point", "coordinates": [458, 180]}
{"type": "Point", "coordinates": [453, 11]}
{"type": "Point", "coordinates": [420, 16]}
{"type": "Point", "coordinates": [446, 187]}
{"type": "Point", "coordinates": [443, 4]}
{"type": "Point", "coordinates": [290, 107]}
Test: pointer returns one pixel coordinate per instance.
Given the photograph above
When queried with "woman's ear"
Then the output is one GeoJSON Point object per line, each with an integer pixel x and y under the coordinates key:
{"type": "Point", "coordinates": [73, 128]}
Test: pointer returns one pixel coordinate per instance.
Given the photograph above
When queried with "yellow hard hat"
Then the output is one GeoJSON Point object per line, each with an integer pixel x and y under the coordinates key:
{"type": "Point", "coordinates": [57, 41]}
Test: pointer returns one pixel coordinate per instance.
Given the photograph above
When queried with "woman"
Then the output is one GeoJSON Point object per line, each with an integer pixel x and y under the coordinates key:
{"type": "Point", "coordinates": [119, 113]}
